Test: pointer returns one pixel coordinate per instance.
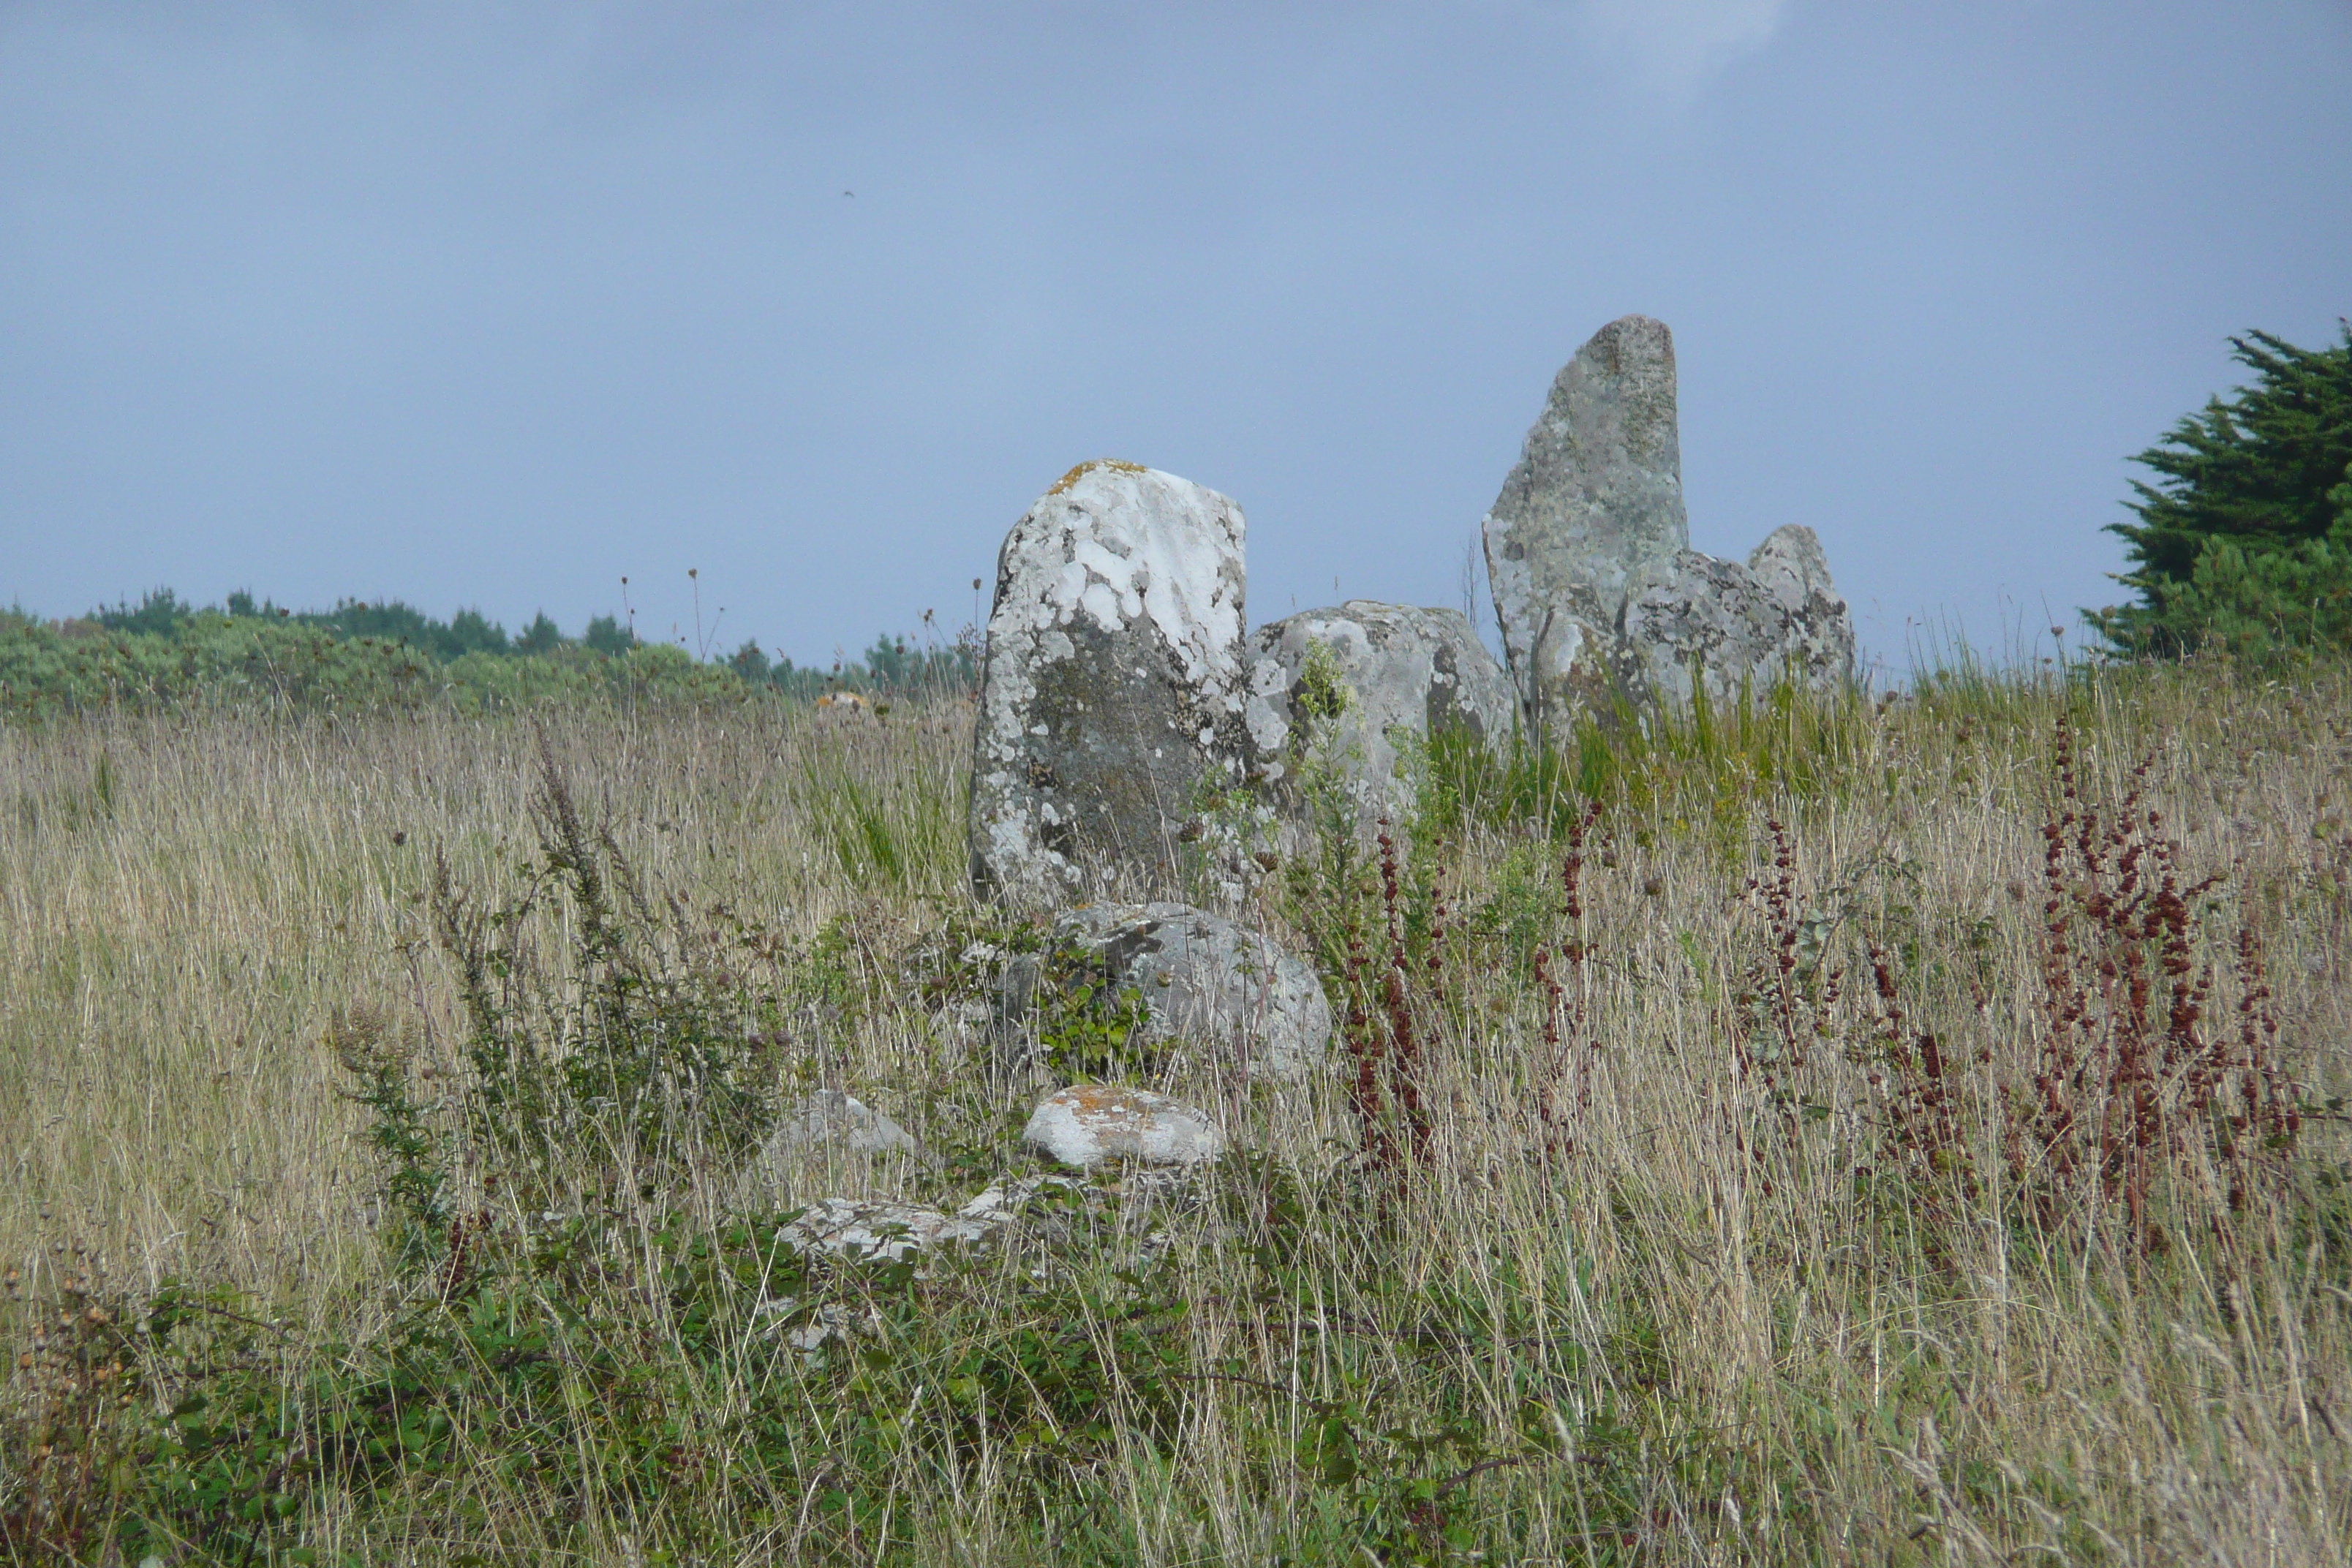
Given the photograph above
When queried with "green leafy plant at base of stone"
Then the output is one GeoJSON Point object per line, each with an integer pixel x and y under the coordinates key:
{"type": "Point", "coordinates": [1319, 765]}
{"type": "Point", "coordinates": [1088, 1028]}
{"type": "Point", "coordinates": [1088, 1032]}
{"type": "Point", "coordinates": [1060, 994]}
{"type": "Point", "coordinates": [1324, 890]}
{"type": "Point", "coordinates": [1225, 844]}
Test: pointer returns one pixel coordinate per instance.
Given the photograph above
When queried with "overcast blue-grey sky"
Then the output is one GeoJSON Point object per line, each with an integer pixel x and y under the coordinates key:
{"type": "Point", "coordinates": [495, 304]}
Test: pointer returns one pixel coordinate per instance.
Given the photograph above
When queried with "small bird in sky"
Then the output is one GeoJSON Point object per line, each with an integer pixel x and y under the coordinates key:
{"type": "Point", "coordinates": [849, 192]}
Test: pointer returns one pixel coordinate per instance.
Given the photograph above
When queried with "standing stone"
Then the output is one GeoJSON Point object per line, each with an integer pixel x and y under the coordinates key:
{"type": "Point", "coordinates": [1600, 597]}
{"type": "Point", "coordinates": [1114, 686]}
{"type": "Point", "coordinates": [1591, 516]}
{"type": "Point", "coordinates": [1405, 674]}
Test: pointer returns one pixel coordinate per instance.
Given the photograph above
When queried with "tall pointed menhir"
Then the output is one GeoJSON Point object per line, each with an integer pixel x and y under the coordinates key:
{"type": "Point", "coordinates": [1600, 597]}
{"type": "Point", "coordinates": [1592, 515]}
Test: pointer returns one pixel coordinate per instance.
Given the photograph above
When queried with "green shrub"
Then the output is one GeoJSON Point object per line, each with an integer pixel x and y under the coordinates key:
{"type": "Point", "coordinates": [2243, 539]}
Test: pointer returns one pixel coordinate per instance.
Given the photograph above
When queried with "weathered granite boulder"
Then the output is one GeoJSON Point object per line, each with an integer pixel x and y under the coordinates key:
{"type": "Point", "coordinates": [1793, 570]}
{"type": "Point", "coordinates": [1114, 686]}
{"type": "Point", "coordinates": [1201, 977]}
{"type": "Point", "coordinates": [1778, 615]}
{"type": "Point", "coordinates": [1599, 596]}
{"type": "Point", "coordinates": [1088, 1123]}
{"type": "Point", "coordinates": [1402, 669]}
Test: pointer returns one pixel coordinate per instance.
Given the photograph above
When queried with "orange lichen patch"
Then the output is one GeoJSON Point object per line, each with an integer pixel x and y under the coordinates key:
{"type": "Point", "coordinates": [1113, 464]}
{"type": "Point", "coordinates": [1104, 1099]}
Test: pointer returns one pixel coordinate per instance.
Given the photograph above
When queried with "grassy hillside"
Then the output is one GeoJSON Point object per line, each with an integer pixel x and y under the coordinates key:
{"type": "Point", "coordinates": [1868, 1137]}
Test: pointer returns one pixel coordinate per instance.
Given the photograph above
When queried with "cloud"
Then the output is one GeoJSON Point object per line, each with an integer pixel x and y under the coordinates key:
{"type": "Point", "coordinates": [1672, 47]}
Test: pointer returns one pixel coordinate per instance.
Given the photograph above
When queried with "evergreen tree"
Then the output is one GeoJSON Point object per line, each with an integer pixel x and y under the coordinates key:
{"type": "Point", "coordinates": [605, 634]}
{"type": "Point", "coordinates": [751, 663]}
{"type": "Point", "coordinates": [160, 613]}
{"type": "Point", "coordinates": [542, 635]}
{"type": "Point", "coordinates": [470, 631]}
{"type": "Point", "coordinates": [2245, 539]}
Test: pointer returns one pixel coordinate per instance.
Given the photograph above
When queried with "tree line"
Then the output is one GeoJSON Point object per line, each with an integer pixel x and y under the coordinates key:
{"type": "Point", "coordinates": [894, 664]}
{"type": "Point", "coordinates": [166, 648]}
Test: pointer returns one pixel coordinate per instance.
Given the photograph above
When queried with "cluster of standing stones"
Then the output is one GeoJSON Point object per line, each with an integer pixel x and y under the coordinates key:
{"type": "Point", "coordinates": [1123, 695]}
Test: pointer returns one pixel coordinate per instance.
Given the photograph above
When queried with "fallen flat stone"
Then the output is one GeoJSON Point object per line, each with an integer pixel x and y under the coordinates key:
{"type": "Point", "coordinates": [1201, 977]}
{"type": "Point", "coordinates": [1114, 686]}
{"type": "Point", "coordinates": [882, 1228]}
{"type": "Point", "coordinates": [1404, 670]}
{"type": "Point", "coordinates": [1090, 1123]}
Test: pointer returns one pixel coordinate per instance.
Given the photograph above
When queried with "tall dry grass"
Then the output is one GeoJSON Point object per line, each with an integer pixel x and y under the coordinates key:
{"type": "Point", "coordinates": [1681, 1293]}
{"type": "Point", "coordinates": [188, 899]}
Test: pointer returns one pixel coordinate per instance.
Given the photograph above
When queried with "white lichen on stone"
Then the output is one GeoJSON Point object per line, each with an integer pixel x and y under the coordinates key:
{"type": "Point", "coordinates": [1090, 1123]}
{"type": "Point", "coordinates": [1115, 680]}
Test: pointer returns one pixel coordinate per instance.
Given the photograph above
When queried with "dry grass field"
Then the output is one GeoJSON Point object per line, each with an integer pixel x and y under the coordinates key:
{"type": "Point", "coordinates": [1813, 1160]}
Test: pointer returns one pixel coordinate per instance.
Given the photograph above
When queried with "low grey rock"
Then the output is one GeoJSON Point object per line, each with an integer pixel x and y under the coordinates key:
{"type": "Point", "coordinates": [1405, 671]}
{"type": "Point", "coordinates": [1003, 1201]}
{"type": "Point", "coordinates": [1599, 595]}
{"type": "Point", "coordinates": [1090, 1123]}
{"type": "Point", "coordinates": [1114, 687]}
{"type": "Point", "coordinates": [882, 1228]}
{"type": "Point", "coordinates": [820, 1324]}
{"type": "Point", "coordinates": [1058, 1211]}
{"type": "Point", "coordinates": [889, 1229]}
{"type": "Point", "coordinates": [1201, 977]}
{"type": "Point", "coordinates": [827, 1118]}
